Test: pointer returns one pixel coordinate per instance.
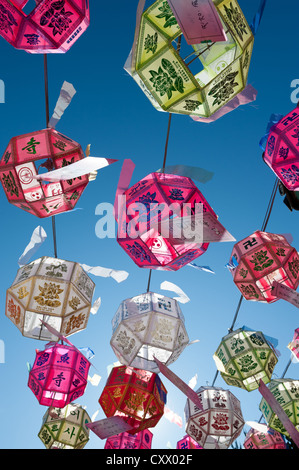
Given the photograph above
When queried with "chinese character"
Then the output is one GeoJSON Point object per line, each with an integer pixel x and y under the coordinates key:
{"type": "Point", "coordinates": [59, 379]}
{"type": "Point", "coordinates": [31, 146]}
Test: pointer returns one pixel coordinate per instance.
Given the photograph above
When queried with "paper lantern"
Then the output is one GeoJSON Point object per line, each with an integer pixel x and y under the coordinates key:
{"type": "Point", "coordinates": [187, 443]}
{"type": "Point", "coordinates": [286, 392]}
{"type": "Point", "coordinates": [55, 291]}
{"type": "Point", "coordinates": [147, 326]}
{"type": "Point", "coordinates": [291, 199]}
{"type": "Point", "coordinates": [282, 150]}
{"type": "Point", "coordinates": [294, 345]}
{"type": "Point", "coordinates": [125, 440]}
{"type": "Point", "coordinates": [261, 259]}
{"type": "Point", "coordinates": [165, 76]}
{"type": "Point", "coordinates": [65, 428]}
{"type": "Point", "coordinates": [138, 396]}
{"type": "Point", "coordinates": [155, 198]}
{"type": "Point", "coordinates": [245, 357]}
{"type": "Point", "coordinates": [268, 439]}
{"type": "Point", "coordinates": [25, 156]}
{"type": "Point", "coordinates": [219, 423]}
{"type": "Point", "coordinates": [59, 375]}
{"type": "Point", "coordinates": [52, 26]}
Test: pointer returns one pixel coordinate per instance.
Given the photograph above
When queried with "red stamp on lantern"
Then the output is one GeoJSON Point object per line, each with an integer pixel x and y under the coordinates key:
{"type": "Point", "coordinates": [31, 189]}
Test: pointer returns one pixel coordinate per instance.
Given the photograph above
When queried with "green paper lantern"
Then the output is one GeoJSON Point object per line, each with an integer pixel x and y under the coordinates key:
{"type": "Point", "coordinates": [286, 392]}
{"type": "Point", "coordinates": [244, 357]}
{"type": "Point", "coordinates": [65, 428]}
{"type": "Point", "coordinates": [166, 79]}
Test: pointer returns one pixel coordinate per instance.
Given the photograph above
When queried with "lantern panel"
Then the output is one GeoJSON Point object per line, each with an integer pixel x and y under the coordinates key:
{"type": "Point", "coordinates": [263, 258]}
{"type": "Point", "coordinates": [285, 392]}
{"type": "Point", "coordinates": [65, 428]}
{"type": "Point", "coordinates": [125, 440]}
{"type": "Point", "coordinates": [148, 326]}
{"type": "Point", "coordinates": [29, 155]}
{"type": "Point", "coordinates": [58, 375]}
{"type": "Point", "coordinates": [136, 395]}
{"type": "Point", "coordinates": [55, 291]}
{"type": "Point", "coordinates": [281, 152]}
{"type": "Point", "coordinates": [187, 443]}
{"type": "Point", "coordinates": [52, 26]}
{"type": "Point", "coordinates": [157, 198]}
{"type": "Point", "coordinates": [220, 421]}
{"type": "Point", "coordinates": [166, 78]}
{"type": "Point", "coordinates": [269, 439]}
{"type": "Point", "coordinates": [245, 357]}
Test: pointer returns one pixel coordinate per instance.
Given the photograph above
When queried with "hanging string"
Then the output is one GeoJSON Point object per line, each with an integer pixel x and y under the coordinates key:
{"type": "Point", "coordinates": [47, 125]}
{"type": "Point", "coordinates": [270, 206]}
{"type": "Point", "coordinates": [264, 226]}
{"type": "Point", "coordinates": [165, 153]}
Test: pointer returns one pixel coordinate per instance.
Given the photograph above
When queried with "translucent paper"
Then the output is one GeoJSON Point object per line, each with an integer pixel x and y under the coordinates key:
{"type": "Point", "coordinates": [285, 392]}
{"type": "Point", "coordinates": [65, 428]}
{"type": "Point", "coordinates": [159, 68]}
{"type": "Point", "coordinates": [136, 395]}
{"type": "Point", "coordinates": [125, 440]}
{"type": "Point", "coordinates": [52, 290]}
{"type": "Point", "coordinates": [52, 26]}
{"type": "Point", "coordinates": [148, 202]}
{"type": "Point", "coordinates": [261, 259]}
{"type": "Point", "coordinates": [282, 150]}
{"type": "Point", "coordinates": [59, 375]}
{"type": "Point", "coordinates": [29, 155]}
{"type": "Point", "coordinates": [245, 357]}
{"type": "Point", "coordinates": [219, 423]}
{"type": "Point", "coordinates": [148, 326]}
{"type": "Point", "coordinates": [187, 443]}
{"type": "Point", "coordinates": [269, 439]}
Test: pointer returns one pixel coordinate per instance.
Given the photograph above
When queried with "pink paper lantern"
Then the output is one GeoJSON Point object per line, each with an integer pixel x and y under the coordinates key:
{"type": "Point", "coordinates": [52, 26]}
{"type": "Point", "coordinates": [159, 194]}
{"type": "Point", "coordinates": [268, 439]}
{"type": "Point", "coordinates": [188, 443]}
{"type": "Point", "coordinates": [282, 150]}
{"type": "Point", "coordinates": [261, 259]}
{"type": "Point", "coordinates": [25, 156]}
{"type": "Point", "coordinates": [125, 440]}
{"type": "Point", "coordinates": [294, 345]}
{"type": "Point", "coordinates": [59, 375]}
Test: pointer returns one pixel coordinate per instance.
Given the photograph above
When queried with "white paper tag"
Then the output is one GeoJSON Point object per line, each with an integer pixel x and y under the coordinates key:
{"type": "Point", "coordinates": [204, 228]}
{"type": "Point", "coordinates": [74, 170]}
{"type": "Point", "coordinates": [198, 20]}
{"type": "Point", "coordinates": [108, 427]}
{"type": "Point", "coordinates": [286, 293]}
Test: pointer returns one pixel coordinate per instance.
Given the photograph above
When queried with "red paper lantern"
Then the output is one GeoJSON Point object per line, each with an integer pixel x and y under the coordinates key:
{"type": "Point", "coordinates": [188, 443]}
{"type": "Point", "coordinates": [125, 440]}
{"type": "Point", "coordinates": [267, 439]}
{"type": "Point", "coordinates": [24, 156]}
{"type": "Point", "coordinates": [59, 375]}
{"type": "Point", "coordinates": [155, 197]}
{"type": "Point", "coordinates": [138, 396]}
{"type": "Point", "coordinates": [282, 150]}
{"type": "Point", "coordinates": [261, 259]}
{"type": "Point", "coordinates": [52, 26]}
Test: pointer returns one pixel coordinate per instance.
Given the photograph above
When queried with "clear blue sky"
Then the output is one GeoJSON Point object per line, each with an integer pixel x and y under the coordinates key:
{"type": "Point", "coordinates": [111, 113]}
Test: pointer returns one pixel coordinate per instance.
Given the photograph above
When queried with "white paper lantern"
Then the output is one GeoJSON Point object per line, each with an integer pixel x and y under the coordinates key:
{"type": "Point", "coordinates": [219, 423]}
{"type": "Point", "coordinates": [147, 326]}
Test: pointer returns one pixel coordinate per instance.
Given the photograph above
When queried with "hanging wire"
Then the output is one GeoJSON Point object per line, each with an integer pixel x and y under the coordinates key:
{"type": "Point", "coordinates": [47, 125]}
{"type": "Point", "coordinates": [165, 154]}
{"type": "Point", "coordinates": [264, 226]}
